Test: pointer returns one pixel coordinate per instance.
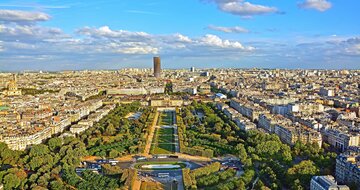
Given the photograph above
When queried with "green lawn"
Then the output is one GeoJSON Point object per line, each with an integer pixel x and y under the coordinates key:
{"type": "Point", "coordinates": [3, 108]}
{"type": "Point", "coordinates": [158, 150]}
{"type": "Point", "coordinates": [163, 139]}
{"type": "Point", "coordinates": [166, 139]}
{"type": "Point", "coordinates": [166, 131]}
{"type": "Point", "coordinates": [167, 147]}
{"type": "Point", "coordinates": [166, 118]}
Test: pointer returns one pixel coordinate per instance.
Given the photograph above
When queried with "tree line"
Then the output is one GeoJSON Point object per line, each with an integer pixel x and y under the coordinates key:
{"type": "Point", "coordinates": [51, 165]}
{"type": "Point", "coordinates": [263, 155]}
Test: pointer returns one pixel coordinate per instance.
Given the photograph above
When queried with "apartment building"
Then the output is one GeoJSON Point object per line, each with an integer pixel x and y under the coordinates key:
{"type": "Point", "coordinates": [326, 183]}
{"type": "Point", "coordinates": [342, 139]}
{"type": "Point", "coordinates": [348, 167]}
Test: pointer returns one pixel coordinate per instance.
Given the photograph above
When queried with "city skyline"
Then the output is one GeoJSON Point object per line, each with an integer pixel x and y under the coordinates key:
{"type": "Point", "coordinates": [151, 129]}
{"type": "Point", "coordinates": [179, 95]}
{"type": "Point", "coordinates": [67, 35]}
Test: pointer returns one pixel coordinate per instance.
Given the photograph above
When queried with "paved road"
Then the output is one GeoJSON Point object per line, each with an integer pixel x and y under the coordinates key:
{"type": "Point", "coordinates": [173, 175]}
{"type": "Point", "coordinates": [176, 133]}
{"type": "Point", "coordinates": [151, 134]}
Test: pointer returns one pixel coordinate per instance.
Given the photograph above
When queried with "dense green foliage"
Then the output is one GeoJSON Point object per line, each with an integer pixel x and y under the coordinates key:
{"type": "Point", "coordinates": [190, 177]}
{"type": "Point", "coordinates": [215, 178]}
{"type": "Point", "coordinates": [52, 165]}
{"type": "Point", "coordinates": [115, 135]}
{"type": "Point", "coordinates": [169, 88]}
{"type": "Point", "coordinates": [262, 154]}
{"type": "Point", "coordinates": [34, 91]}
{"type": "Point", "coordinates": [210, 177]}
{"type": "Point", "coordinates": [40, 166]}
{"type": "Point", "coordinates": [206, 170]}
{"type": "Point", "coordinates": [209, 135]}
{"type": "Point", "coordinates": [89, 180]}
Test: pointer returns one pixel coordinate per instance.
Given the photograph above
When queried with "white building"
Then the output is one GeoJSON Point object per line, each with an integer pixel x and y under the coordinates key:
{"type": "Point", "coordinates": [326, 92]}
{"type": "Point", "coordinates": [326, 183]}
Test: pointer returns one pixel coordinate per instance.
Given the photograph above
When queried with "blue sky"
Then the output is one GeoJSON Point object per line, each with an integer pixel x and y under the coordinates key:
{"type": "Point", "coordinates": [112, 34]}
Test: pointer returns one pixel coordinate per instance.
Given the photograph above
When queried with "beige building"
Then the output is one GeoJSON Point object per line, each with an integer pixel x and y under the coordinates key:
{"type": "Point", "coordinates": [342, 140]}
{"type": "Point", "coordinates": [166, 102]}
{"type": "Point", "coordinates": [12, 88]}
{"type": "Point", "coordinates": [267, 122]}
{"type": "Point", "coordinates": [292, 134]}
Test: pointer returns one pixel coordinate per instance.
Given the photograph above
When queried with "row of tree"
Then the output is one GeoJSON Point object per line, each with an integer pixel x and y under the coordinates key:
{"type": "Point", "coordinates": [262, 154]}
{"type": "Point", "coordinates": [115, 135]}
{"type": "Point", "coordinates": [189, 177]}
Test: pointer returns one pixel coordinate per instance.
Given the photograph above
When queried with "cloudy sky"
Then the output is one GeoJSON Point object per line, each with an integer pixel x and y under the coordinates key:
{"type": "Point", "coordinates": [112, 34]}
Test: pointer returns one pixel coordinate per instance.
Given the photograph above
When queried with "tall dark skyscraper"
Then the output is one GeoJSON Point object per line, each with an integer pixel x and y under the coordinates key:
{"type": "Point", "coordinates": [157, 67]}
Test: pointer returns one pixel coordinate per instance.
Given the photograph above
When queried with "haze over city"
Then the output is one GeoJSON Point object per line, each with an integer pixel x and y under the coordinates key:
{"type": "Point", "coordinates": [76, 35]}
{"type": "Point", "coordinates": [179, 95]}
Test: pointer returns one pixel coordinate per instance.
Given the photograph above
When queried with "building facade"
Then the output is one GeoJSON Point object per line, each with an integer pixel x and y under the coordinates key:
{"type": "Point", "coordinates": [157, 67]}
{"type": "Point", "coordinates": [348, 168]}
{"type": "Point", "coordinates": [326, 183]}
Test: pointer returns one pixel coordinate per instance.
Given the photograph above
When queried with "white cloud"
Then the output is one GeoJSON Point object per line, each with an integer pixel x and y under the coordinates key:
{"type": "Point", "coordinates": [320, 5]}
{"type": "Point", "coordinates": [127, 42]}
{"type": "Point", "coordinates": [22, 16]}
{"type": "Point", "coordinates": [243, 8]}
{"type": "Point", "coordinates": [215, 41]}
{"type": "Point", "coordinates": [182, 38]}
{"type": "Point", "coordinates": [235, 29]}
{"type": "Point", "coordinates": [139, 50]}
{"type": "Point", "coordinates": [120, 41]}
{"type": "Point", "coordinates": [32, 43]}
{"type": "Point", "coordinates": [19, 29]}
{"type": "Point", "coordinates": [11, 32]}
{"type": "Point", "coordinates": [106, 32]}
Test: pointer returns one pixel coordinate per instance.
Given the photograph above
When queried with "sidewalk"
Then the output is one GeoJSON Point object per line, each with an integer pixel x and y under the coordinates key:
{"type": "Point", "coordinates": [151, 135]}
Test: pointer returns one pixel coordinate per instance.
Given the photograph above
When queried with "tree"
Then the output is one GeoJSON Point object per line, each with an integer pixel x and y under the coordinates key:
{"type": "Point", "coordinates": [55, 143]}
{"type": "Point", "coordinates": [248, 176]}
{"type": "Point", "coordinates": [259, 185]}
{"type": "Point", "coordinates": [302, 172]}
{"type": "Point", "coordinates": [57, 185]}
{"type": "Point", "coordinates": [114, 153]}
{"type": "Point", "coordinates": [168, 88]}
{"type": "Point", "coordinates": [11, 181]}
{"type": "Point", "coordinates": [110, 130]}
{"type": "Point", "coordinates": [43, 180]}
{"type": "Point", "coordinates": [297, 185]}
{"type": "Point", "coordinates": [201, 128]}
{"type": "Point", "coordinates": [268, 148]}
{"type": "Point", "coordinates": [8, 156]}
{"type": "Point", "coordinates": [241, 152]}
{"type": "Point", "coordinates": [39, 150]}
